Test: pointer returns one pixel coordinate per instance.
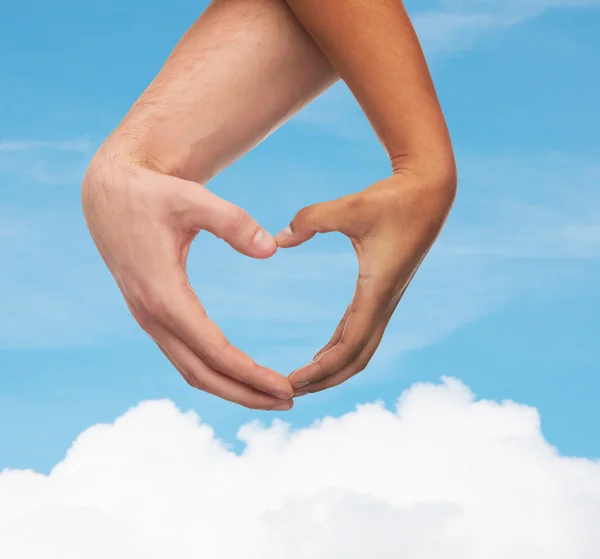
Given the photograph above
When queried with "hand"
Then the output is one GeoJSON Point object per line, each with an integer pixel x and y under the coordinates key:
{"type": "Point", "coordinates": [392, 225]}
{"type": "Point", "coordinates": [143, 223]}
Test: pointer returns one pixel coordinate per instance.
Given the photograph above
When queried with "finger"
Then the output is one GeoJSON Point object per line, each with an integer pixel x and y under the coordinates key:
{"type": "Point", "coordinates": [202, 377]}
{"type": "Point", "coordinates": [358, 365]}
{"type": "Point", "coordinates": [230, 223]}
{"type": "Point", "coordinates": [343, 215]}
{"type": "Point", "coordinates": [371, 299]}
{"type": "Point", "coordinates": [179, 311]}
{"type": "Point", "coordinates": [337, 334]}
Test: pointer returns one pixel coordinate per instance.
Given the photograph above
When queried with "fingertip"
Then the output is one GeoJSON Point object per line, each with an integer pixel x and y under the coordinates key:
{"type": "Point", "coordinates": [286, 394]}
{"type": "Point", "coordinates": [284, 406]}
{"type": "Point", "coordinates": [282, 388]}
{"type": "Point", "coordinates": [263, 244]}
{"type": "Point", "coordinates": [262, 255]}
{"type": "Point", "coordinates": [283, 236]}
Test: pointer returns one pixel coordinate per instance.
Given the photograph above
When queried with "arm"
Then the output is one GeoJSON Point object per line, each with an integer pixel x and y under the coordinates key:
{"type": "Point", "coordinates": [393, 223]}
{"type": "Point", "coordinates": [243, 68]}
{"type": "Point", "coordinates": [376, 51]}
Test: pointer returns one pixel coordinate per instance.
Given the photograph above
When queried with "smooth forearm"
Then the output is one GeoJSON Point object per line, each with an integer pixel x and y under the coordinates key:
{"type": "Point", "coordinates": [242, 70]}
{"type": "Point", "coordinates": [374, 48]}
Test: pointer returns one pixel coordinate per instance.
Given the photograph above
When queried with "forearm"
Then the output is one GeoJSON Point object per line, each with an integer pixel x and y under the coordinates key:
{"type": "Point", "coordinates": [374, 48]}
{"type": "Point", "coordinates": [242, 70]}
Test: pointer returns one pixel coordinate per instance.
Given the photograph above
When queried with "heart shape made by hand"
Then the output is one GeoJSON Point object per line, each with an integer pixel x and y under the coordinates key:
{"type": "Point", "coordinates": [391, 224]}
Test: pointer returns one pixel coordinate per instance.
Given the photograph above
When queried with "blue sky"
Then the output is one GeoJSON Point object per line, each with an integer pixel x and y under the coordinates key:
{"type": "Point", "coordinates": [507, 301]}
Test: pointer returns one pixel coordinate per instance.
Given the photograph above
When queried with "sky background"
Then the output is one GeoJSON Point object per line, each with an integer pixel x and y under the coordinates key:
{"type": "Point", "coordinates": [507, 300]}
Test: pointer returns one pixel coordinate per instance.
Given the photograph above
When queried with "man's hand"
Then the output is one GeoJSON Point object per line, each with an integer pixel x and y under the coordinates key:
{"type": "Point", "coordinates": [143, 223]}
{"type": "Point", "coordinates": [242, 70]}
{"type": "Point", "coordinates": [392, 225]}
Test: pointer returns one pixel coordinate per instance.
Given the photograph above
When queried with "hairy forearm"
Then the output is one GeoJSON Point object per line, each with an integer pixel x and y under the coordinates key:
{"type": "Point", "coordinates": [242, 70]}
{"type": "Point", "coordinates": [373, 46]}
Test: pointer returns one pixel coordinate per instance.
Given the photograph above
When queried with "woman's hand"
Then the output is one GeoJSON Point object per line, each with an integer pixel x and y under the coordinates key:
{"type": "Point", "coordinates": [392, 225]}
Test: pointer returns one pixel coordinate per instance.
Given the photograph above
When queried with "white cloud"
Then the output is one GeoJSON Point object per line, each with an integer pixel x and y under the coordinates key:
{"type": "Point", "coordinates": [456, 24]}
{"type": "Point", "coordinates": [56, 291]}
{"type": "Point", "coordinates": [544, 206]}
{"type": "Point", "coordinates": [77, 145]}
{"type": "Point", "coordinates": [444, 476]}
{"type": "Point", "coordinates": [442, 32]}
{"type": "Point", "coordinates": [336, 109]}
{"type": "Point", "coordinates": [447, 27]}
{"type": "Point", "coordinates": [516, 10]}
{"type": "Point", "coordinates": [46, 163]}
{"type": "Point", "coordinates": [520, 228]}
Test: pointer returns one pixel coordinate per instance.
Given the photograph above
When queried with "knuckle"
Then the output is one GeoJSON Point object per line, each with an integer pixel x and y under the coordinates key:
{"type": "Point", "coordinates": [355, 203]}
{"type": "Point", "coordinates": [212, 356]}
{"type": "Point", "coordinates": [193, 379]}
{"type": "Point", "coordinates": [197, 382]}
{"type": "Point", "coordinates": [247, 375]}
{"type": "Point", "coordinates": [305, 216]}
{"type": "Point", "coordinates": [148, 317]}
{"type": "Point", "coordinates": [209, 359]}
{"type": "Point", "coordinates": [254, 405]}
{"type": "Point", "coordinates": [189, 380]}
{"type": "Point", "coordinates": [237, 221]}
{"type": "Point", "coordinates": [362, 363]}
{"type": "Point", "coordinates": [351, 351]}
{"type": "Point", "coordinates": [145, 322]}
{"type": "Point", "coordinates": [322, 371]}
{"type": "Point", "coordinates": [152, 306]}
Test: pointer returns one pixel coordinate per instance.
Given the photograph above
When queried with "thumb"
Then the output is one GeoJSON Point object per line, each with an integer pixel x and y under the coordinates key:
{"type": "Point", "coordinates": [232, 224]}
{"type": "Point", "coordinates": [318, 218]}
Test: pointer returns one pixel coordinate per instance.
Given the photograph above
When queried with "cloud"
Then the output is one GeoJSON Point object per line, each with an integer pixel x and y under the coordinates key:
{"type": "Point", "coordinates": [77, 145]}
{"type": "Point", "coordinates": [521, 228]}
{"type": "Point", "coordinates": [44, 163]}
{"type": "Point", "coordinates": [55, 292]}
{"type": "Point", "coordinates": [542, 206]}
{"type": "Point", "coordinates": [516, 10]}
{"type": "Point", "coordinates": [448, 27]}
{"type": "Point", "coordinates": [456, 24]}
{"type": "Point", "coordinates": [336, 110]}
{"type": "Point", "coordinates": [446, 475]}
{"type": "Point", "coordinates": [443, 32]}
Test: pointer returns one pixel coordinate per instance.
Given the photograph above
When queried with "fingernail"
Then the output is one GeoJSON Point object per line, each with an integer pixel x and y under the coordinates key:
{"type": "Point", "coordinates": [284, 406]}
{"type": "Point", "coordinates": [263, 241]}
{"type": "Point", "coordinates": [300, 393]}
{"type": "Point", "coordinates": [283, 235]}
{"type": "Point", "coordinates": [302, 384]}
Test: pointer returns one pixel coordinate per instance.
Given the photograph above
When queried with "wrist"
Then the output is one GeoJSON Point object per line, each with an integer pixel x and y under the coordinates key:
{"type": "Point", "coordinates": [434, 169]}
{"type": "Point", "coordinates": [139, 144]}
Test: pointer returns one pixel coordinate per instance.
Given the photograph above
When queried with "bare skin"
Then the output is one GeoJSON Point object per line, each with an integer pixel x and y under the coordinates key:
{"type": "Point", "coordinates": [393, 223]}
{"type": "Point", "coordinates": [244, 68]}
{"type": "Point", "coordinates": [241, 71]}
